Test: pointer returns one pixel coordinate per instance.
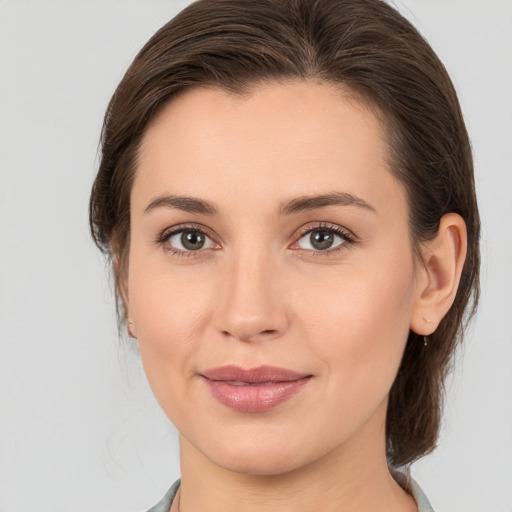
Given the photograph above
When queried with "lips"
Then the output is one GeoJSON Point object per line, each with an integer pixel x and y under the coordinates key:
{"type": "Point", "coordinates": [253, 389]}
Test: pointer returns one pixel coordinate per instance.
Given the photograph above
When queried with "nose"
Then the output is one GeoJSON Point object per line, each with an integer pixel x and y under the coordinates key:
{"type": "Point", "coordinates": [250, 307]}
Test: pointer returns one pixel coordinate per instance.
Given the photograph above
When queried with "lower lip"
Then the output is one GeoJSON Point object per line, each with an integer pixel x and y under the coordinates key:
{"type": "Point", "coordinates": [254, 397]}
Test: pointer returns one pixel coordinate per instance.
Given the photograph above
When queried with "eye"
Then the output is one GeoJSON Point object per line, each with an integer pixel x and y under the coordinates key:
{"type": "Point", "coordinates": [323, 238]}
{"type": "Point", "coordinates": [186, 240]}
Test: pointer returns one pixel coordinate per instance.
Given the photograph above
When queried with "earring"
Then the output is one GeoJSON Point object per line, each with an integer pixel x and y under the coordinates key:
{"type": "Point", "coordinates": [425, 341]}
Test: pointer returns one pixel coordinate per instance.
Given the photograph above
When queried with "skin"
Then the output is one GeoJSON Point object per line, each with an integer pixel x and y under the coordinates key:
{"type": "Point", "coordinates": [258, 293]}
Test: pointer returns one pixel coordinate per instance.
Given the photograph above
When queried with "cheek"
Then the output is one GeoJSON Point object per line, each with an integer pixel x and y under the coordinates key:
{"type": "Point", "coordinates": [169, 313]}
{"type": "Point", "coordinates": [360, 327]}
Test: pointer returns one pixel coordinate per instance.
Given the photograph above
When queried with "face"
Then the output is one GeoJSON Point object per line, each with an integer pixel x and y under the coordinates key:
{"type": "Point", "coordinates": [271, 275]}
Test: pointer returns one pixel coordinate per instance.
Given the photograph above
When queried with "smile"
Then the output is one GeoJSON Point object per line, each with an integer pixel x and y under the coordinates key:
{"type": "Point", "coordinates": [253, 390]}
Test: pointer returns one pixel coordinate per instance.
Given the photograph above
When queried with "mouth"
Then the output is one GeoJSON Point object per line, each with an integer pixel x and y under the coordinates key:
{"type": "Point", "coordinates": [253, 389]}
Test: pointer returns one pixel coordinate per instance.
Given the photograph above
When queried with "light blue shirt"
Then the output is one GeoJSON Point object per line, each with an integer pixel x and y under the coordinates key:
{"type": "Point", "coordinates": [404, 480]}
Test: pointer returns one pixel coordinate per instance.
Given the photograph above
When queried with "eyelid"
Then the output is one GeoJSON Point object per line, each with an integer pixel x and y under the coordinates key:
{"type": "Point", "coordinates": [168, 232]}
{"type": "Point", "coordinates": [348, 236]}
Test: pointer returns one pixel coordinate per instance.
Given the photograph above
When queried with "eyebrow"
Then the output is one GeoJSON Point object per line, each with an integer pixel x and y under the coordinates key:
{"type": "Point", "coordinates": [306, 203]}
{"type": "Point", "coordinates": [297, 205]}
{"type": "Point", "coordinates": [184, 203]}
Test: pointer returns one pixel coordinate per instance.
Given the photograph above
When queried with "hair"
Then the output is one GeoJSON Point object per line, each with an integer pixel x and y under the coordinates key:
{"type": "Point", "coordinates": [364, 46]}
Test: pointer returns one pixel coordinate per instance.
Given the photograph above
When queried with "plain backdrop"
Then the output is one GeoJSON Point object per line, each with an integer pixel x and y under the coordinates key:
{"type": "Point", "coordinates": [79, 429]}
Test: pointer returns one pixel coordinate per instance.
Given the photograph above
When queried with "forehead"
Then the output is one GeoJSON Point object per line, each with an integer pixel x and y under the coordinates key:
{"type": "Point", "coordinates": [280, 138]}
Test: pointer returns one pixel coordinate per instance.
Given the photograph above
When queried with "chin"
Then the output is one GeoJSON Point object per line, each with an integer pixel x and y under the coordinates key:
{"type": "Point", "coordinates": [261, 464]}
{"type": "Point", "coordinates": [264, 455]}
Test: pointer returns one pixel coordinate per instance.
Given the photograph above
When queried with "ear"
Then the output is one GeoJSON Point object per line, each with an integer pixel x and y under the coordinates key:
{"type": "Point", "coordinates": [438, 275]}
{"type": "Point", "coordinates": [121, 278]}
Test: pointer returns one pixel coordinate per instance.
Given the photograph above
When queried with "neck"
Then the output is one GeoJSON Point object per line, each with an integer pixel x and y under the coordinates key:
{"type": "Point", "coordinates": [353, 476]}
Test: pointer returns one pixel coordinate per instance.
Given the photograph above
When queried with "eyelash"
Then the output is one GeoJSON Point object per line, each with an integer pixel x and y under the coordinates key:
{"type": "Point", "coordinates": [165, 236]}
{"type": "Point", "coordinates": [348, 238]}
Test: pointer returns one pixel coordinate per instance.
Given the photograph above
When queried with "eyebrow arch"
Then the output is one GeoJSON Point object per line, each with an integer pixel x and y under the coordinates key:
{"type": "Point", "coordinates": [319, 201]}
{"type": "Point", "coordinates": [297, 205]}
{"type": "Point", "coordinates": [184, 203]}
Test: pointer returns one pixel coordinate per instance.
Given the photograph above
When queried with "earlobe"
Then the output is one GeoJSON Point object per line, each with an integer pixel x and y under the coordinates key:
{"type": "Point", "coordinates": [131, 328]}
{"type": "Point", "coordinates": [121, 279]}
{"type": "Point", "coordinates": [439, 274]}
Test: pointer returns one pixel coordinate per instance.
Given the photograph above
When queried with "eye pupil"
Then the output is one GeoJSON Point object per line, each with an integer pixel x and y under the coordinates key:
{"type": "Point", "coordinates": [321, 239]}
{"type": "Point", "coordinates": [192, 240]}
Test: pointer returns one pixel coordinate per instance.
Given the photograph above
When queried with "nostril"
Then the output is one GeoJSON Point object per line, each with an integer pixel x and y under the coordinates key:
{"type": "Point", "coordinates": [268, 333]}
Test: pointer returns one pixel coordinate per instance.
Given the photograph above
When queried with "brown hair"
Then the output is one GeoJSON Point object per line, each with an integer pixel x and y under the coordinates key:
{"type": "Point", "coordinates": [365, 46]}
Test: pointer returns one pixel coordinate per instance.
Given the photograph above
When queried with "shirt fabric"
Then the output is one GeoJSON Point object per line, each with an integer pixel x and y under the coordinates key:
{"type": "Point", "coordinates": [404, 480]}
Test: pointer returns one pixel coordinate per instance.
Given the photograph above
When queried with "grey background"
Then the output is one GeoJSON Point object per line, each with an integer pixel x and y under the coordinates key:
{"type": "Point", "coordinates": [79, 428]}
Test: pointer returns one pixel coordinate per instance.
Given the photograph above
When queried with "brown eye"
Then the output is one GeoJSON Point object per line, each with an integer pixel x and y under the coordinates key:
{"type": "Point", "coordinates": [192, 240]}
{"type": "Point", "coordinates": [321, 240]}
{"type": "Point", "coordinates": [188, 240]}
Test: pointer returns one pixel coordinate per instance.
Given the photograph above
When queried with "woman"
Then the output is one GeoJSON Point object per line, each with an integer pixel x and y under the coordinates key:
{"type": "Point", "coordinates": [286, 192]}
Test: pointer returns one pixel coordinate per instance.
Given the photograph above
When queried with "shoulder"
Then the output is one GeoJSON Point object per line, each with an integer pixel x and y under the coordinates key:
{"type": "Point", "coordinates": [165, 503]}
{"type": "Point", "coordinates": [422, 501]}
{"type": "Point", "coordinates": [403, 479]}
{"type": "Point", "coordinates": [412, 487]}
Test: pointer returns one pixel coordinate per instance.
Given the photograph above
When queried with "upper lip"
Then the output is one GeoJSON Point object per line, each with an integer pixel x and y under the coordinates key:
{"type": "Point", "coordinates": [253, 375]}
